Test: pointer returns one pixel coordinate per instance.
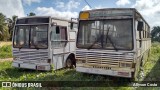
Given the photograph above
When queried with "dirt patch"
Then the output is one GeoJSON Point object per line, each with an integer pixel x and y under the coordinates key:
{"type": "Point", "coordinates": [6, 59]}
{"type": "Point", "coordinates": [2, 43]}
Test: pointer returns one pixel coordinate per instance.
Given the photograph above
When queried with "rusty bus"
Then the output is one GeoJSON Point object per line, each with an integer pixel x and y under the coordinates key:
{"type": "Point", "coordinates": [113, 41]}
{"type": "Point", "coordinates": [42, 41]}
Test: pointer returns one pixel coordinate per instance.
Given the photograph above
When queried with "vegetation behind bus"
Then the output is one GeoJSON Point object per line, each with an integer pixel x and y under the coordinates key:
{"type": "Point", "coordinates": [6, 30]}
{"type": "Point", "coordinates": [5, 50]}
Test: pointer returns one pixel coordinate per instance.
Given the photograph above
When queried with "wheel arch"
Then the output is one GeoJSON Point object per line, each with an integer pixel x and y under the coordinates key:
{"type": "Point", "coordinates": [72, 57]}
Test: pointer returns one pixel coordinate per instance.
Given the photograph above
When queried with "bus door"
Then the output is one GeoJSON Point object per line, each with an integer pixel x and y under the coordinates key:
{"type": "Point", "coordinates": [58, 45]}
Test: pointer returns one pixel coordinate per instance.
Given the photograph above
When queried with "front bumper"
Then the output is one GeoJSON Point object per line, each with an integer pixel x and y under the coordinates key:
{"type": "Point", "coordinates": [34, 66]}
{"type": "Point", "coordinates": [117, 73]}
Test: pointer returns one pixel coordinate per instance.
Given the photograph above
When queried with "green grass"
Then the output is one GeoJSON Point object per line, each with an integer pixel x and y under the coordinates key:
{"type": "Point", "coordinates": [6, 51]}
{"type": "Point", "coordinates": [151, 72]}
{"type": "Point", "coordinates": [8, 73]}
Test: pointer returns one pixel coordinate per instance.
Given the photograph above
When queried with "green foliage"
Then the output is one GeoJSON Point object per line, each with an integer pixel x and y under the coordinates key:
{"type": "Point", "coordinates": [151, 71]}
{"type": "Point", "coordinates": [6, 51]}
{"type": "Point", "coordinates": [156, 33]}
{"type": "Point", "coordinates": [11, 25]}
{"type": "Point", "coordinates": [31, 14]}
{"type": "Point", "coordinates": [4, 34]}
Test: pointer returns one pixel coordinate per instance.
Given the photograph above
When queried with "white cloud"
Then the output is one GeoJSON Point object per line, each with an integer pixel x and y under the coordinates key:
{"type": "Point", "coordinates": [150, 10]}
{"type": "Point", "coordinates": [65, 11]}
{"type": "Point", "coordinates": [86, 8]}
{"type": "Point", "coordinates": [72, 4]}
{"type": "Point", "coordinates": [122, 2]}
{"type": "Point", "coordinates": [55, 13]}
{"type": "Point", "coordinates": [11, 7]}
{"type": "Point", "coordinates": [60, 5]}
{"type": "Point", "coordinates": [28, 2]}
{"type": "Point", "coordinates": [99, 7]}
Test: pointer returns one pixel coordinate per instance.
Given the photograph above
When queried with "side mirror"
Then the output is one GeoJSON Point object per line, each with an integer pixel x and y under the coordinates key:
{"type": "Point", "coordinates": [53, 24]}
{"type": "Point", "coordinates": [71, 27]}
{"type": "Point", "coordinates": [140, 26]}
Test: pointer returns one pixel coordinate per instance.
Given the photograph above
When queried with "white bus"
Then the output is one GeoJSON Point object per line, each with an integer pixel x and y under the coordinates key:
{"type": "Point", "coordinates": [42, 41]}
{"type": "Point", "coordinates": [112, 42]}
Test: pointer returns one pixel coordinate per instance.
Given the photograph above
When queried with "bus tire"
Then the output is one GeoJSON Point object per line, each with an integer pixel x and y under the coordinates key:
{"type": "Point", "coordinates": [69, 63]}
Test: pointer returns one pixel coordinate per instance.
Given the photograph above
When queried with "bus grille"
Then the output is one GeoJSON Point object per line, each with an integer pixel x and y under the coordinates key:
{"type": "Point", "coordinates": [30, 55]}
{"type": "Point", "coordinates": [103, 58]}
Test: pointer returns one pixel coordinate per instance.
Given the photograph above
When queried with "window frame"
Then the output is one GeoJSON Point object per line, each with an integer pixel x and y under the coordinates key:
{"type": "Point", "coordinates": [66, 37]}
{"type": "Point", "coordinates": [30, 36]}
{"type": "Point", "coordinates": [16, 28]}
{"type": "Point", "coordinates": [105, 20]}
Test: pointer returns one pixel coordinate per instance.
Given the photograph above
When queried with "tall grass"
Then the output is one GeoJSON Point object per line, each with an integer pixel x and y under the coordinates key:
{"type": "Point", "coordinates": [151, 71]}
{"type": "Point", "coordinates": [6, 51]}
{"type": "Point", "coordinates": [2, 43]}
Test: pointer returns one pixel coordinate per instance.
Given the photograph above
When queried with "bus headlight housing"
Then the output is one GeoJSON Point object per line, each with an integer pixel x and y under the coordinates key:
{"type": "Point", "coordinates": [81, 61]}
{"type": "Point", "coordinates": [45, 60]}
{"type": "Point", "coordinates": [123, 64]}
{"type": "Point", "coordinates": [16, 58]}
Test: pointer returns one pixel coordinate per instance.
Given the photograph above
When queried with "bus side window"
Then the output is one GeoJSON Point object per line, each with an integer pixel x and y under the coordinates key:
{"type": "Point", "coordinates": [59, 36]}
{"type": "Point", "coordinates": [57, 30]}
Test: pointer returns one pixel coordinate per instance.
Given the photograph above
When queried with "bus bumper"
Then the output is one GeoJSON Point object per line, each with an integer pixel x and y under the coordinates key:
{"type": "Point", "coordinates": [34, 66]}
{"type": "Point", "coordinates": [126, 74]}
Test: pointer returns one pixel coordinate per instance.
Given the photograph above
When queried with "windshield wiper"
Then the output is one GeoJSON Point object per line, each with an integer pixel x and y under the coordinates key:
{"type": "Point", "coordinates": [107, 37]}
{"type": "Point", "coordinates": [95, 42]}
{"type": "Point", "coordinates": [36, 47]}
{"type": "Point", "coordinates": [20, 46]}
{"type": "Point", "coordinates": [33, 44]}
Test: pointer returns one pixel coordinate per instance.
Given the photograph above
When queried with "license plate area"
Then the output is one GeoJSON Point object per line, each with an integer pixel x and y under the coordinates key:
{"type": "Point", "coordinates": [40, 67]}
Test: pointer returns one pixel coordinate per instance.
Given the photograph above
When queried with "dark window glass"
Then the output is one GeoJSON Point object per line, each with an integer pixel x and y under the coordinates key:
{"type": "Point", "coordinates": [31, 36]}
{"type": "Point", "coordinates": [39, 37]}
{"type": "Point", "coordinates": [32, 20]}
{"type": "Point", "coordinates": [58, 36]}
{"type": "Point", "coordinates": [21, 37]}
{"type": "Point", "coordinates": [106, 34]}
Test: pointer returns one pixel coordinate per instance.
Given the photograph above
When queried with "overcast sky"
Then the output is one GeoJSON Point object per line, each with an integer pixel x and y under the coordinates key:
{"type": "Point", "coordinates": [150, 9]}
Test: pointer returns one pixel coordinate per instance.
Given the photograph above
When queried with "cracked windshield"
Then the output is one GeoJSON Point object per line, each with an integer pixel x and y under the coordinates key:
{"type": "Point", "coordinates": [106, 34]}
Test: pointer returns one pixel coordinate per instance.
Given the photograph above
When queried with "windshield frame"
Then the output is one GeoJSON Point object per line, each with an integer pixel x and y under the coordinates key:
{"type": "Point", "coordinates": [83, 47]}
{"type": "Point", "coordinates": [29, 46]}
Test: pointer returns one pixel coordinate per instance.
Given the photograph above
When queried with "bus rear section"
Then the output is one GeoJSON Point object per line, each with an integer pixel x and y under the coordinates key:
{"type": "Point", "coordinates": [32, 43]}
{"type": "Point", "coordinates": [108, 43]}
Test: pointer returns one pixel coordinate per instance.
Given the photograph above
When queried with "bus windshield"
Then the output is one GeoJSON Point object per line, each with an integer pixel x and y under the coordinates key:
{"type": "Point", "coordinates": [105, 34]}
{"type": "Point", "coordinates": [33, 36]}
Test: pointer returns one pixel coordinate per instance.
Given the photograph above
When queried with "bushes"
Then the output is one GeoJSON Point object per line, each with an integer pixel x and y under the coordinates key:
{"type": "Point", "coordinates": [155, 49]}
{"type": "Point", "coordinates": [6, 51]}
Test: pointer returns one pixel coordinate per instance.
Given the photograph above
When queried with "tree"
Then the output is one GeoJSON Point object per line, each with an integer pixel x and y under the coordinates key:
{"type": "Point", "coordinates": [11, 25]}
{"type": "Point", "coordinates": [31, 14]}
{"type": "Point", "coordinates": [4, 35]}
{"type": "Point", "coordinates": [156, 33]}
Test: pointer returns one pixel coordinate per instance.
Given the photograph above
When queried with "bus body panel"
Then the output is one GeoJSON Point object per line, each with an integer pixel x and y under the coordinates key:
{"type": "Point", "coordinates": [120, 63]}
{"type": "Point", "coordinates": [43, 59]}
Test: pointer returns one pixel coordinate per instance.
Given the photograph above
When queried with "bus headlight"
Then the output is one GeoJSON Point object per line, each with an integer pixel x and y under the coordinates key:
{"type": "Point", "coordinates": [16, 58]}
{"type": "Point", "coordinates": [123, 64]}
{"type": "Point", "coordinates": [81, 61]}
{"type": "Point", "coordinates": [45, 61]}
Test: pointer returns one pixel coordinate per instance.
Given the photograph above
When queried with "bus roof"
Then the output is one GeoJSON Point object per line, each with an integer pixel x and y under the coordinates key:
{"type": "Point", "coordinates": [121, 9]}
{"type": "Point", "coordinates": [55, 18]}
